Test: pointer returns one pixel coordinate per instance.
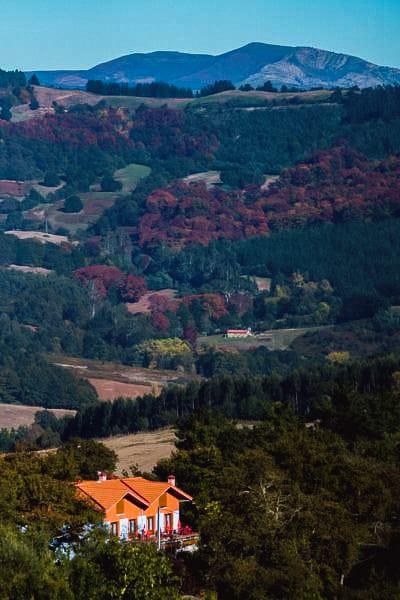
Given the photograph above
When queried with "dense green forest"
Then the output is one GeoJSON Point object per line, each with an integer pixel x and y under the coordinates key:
{"type": "Point", "coordinates": [288, 511]}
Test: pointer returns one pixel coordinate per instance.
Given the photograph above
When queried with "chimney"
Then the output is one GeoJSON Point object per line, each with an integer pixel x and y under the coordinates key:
{"type": "Point", "coordinates": [171, 480]}
{"type": "Point", "coordinates": [101, 476]}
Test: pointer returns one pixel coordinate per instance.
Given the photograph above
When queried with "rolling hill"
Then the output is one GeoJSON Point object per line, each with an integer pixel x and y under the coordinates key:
{"type": "Point", "coordinates": [254, 63]}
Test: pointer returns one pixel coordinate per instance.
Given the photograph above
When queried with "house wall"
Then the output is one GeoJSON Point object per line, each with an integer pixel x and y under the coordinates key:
{"type": "Point", "coordinates": [238, 335]}
{"type": "Point", "coordinates": [122, 514]}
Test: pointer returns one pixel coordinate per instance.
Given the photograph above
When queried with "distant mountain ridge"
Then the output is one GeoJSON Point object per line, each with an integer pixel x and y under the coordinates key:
{"type": "Point", "coordinates": [254, 63]}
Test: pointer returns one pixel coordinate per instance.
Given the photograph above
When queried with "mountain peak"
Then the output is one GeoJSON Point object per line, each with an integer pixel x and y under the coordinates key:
{"type": "Point", "coordinates": [253, 63]}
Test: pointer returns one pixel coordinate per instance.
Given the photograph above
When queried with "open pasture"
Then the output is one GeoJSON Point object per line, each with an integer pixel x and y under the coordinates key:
{"type": "Point", "coordinates": [15, 415]}
{"type": "Point", "coordinates": [141, 449]}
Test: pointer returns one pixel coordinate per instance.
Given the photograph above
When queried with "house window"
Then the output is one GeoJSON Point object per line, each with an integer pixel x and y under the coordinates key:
{"type": "Point", "coordinates": [120, 507]}
{"type": "Point", "coordinates": [114, 528]}
{"type": "Point", "coordinates": [150, 523]}
{"type": "Point", "coordinates": [168, 521]}
{"type": "Point", "coordinates": [132, 526]}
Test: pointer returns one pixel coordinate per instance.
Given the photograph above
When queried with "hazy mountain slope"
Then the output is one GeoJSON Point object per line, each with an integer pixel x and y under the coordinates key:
{"type": "Point", "coordinates": [160, 66]}
{"type": "Point", "coordinates": [310, 67]}
{"type": "Point", "coordinates": [254, 63]}
{"type": "Point", "coordinates": [236, 65]}
{"type": "Point", "coordinates": [64, 79]}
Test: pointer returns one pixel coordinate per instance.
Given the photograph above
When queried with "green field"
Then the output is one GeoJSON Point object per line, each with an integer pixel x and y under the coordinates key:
{"type": "Point", "coordinates": [130, 176]}
{"type": "Point", "coordinates": [254, 98]}
{"type": "Point", "coordinates": [133, 102]}
{"type": "Point", "coordinates": [258, 98]}
{"type": "Point", "coordinates": [273, 339]}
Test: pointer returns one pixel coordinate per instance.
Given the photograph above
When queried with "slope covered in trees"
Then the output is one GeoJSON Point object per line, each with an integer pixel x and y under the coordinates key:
{"type": "Point", "coordinates": [337, 185]}
{"type": "Point", "coordinates": [288, 511]}
{"type": "Point", "coordinates": [80, 144]}
{"type": "Point", "coordinates": [185, 214]}
{"type": "Point", "coordinates": [334, 186]}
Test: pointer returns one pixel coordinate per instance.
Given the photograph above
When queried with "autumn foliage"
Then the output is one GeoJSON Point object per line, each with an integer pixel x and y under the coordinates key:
{"type": "Point", "coordinates": [103, 277]}
{"type": "Point", "coordinates": [132, 288]}
{"type": "Point", "coordinates": [192, 213]}
{"type": "Point", "coordinates": [213, 304]}
{"type": "Point", "coordinates": [107, 130]}
{"type": "Point", "coordinates": [334, 186]}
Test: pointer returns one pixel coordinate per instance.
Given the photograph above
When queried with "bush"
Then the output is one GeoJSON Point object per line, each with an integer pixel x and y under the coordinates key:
{"type": "Point", "coordinates": [73, 204]}
{"type": "Point", "coordinates": [109, 184]}
{"type": "Point", "coordinates": [51, 179]}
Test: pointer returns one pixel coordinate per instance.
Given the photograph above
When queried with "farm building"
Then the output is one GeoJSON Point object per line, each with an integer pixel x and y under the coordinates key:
{"type": "Point", "coordinates": [132, 506]}
{"type": "Point", "coordinates": [238, 333]}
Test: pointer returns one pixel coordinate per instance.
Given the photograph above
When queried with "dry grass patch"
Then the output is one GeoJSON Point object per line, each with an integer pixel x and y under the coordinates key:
{"type": "Point", "coordinates": [209, 178]}
{"type": "Point", "coordinates": [15, 415]}
{"type": "Point", "coordinates": [143, 306]}
{"type": "Point", "coordinates": [141, 449]}
{"type": "Point", "coordinates": [152, 380]}
{"type": "Point", "coordinates": [40, 236]}
{"type": "Point", "coordinates": [108, 389]}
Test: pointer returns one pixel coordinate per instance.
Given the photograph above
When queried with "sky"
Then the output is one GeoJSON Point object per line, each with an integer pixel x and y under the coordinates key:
{"type": "Point", "coordinates": [77, 34]}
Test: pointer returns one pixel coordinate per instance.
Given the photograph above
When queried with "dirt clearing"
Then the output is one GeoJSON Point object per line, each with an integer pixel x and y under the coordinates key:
{"type": "Point", "coordinates": [107, 389]}
{"type": "Point", "coordinates": [40, 236]}
{"type": "Point", "coordinates": [210, 178]}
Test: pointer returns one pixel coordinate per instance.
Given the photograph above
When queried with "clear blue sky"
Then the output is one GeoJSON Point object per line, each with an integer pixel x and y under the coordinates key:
{"type": "Point", "coordinates": [50, 34]}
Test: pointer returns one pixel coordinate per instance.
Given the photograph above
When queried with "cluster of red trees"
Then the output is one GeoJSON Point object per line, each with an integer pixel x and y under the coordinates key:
{"type": "Point", "coordinates": [106, 130]}
{"type": "Point", "coordinates": [190, 309]}
{"type": "Point", "coordinates": [103, 277]}
{"type": "Point", "coordinates": [192, 213]}
{"type": "Point", "coordinates": [334, 186]}
{"type": "Point", "coordinates": [213, 304]}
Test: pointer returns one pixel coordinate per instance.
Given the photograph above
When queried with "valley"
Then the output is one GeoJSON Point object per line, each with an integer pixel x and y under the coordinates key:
{"type": "Point", "coordinates": [200, 283]}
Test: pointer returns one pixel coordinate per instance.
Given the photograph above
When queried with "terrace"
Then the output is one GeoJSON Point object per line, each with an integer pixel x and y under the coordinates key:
{"type": "Point", "coordinates": [183, 539]}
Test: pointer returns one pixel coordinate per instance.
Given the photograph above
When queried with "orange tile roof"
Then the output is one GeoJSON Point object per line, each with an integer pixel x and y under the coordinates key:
{"type": "Point", "coordinates": [107, 493]}
{"type": "Point", "coordinates": [152, 490]}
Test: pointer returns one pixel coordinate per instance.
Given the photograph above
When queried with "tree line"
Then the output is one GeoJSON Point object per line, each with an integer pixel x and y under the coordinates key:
{"type": "Point", "coordinates": [155, 89]}
{"type": "Point", "coordinates": [333, 393]}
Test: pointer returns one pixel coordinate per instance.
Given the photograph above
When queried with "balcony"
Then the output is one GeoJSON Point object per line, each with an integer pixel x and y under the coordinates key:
{"type": "Point", "coordinates": [181, 540]}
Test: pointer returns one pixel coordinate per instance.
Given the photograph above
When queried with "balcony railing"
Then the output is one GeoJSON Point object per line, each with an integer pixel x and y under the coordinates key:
{"type": "Point", "coordinates": [170, 540]}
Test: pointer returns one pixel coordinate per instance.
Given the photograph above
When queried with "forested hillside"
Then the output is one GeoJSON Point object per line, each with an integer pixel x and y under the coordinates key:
{"type": "Point", "coordinates": [305, 196]}
{"type": "Point", "coordinates": [248, 250]}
